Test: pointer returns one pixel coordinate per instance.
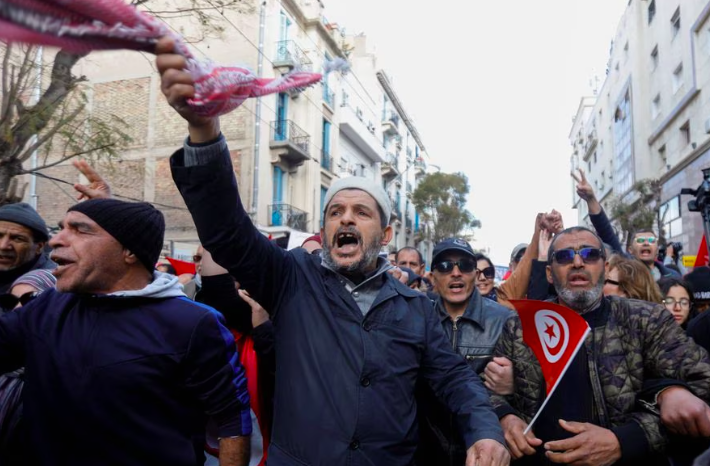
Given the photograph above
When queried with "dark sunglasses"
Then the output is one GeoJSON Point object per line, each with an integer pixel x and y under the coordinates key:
{"type": "Point", "coordinates": [488, 272]}
{"type": "Point", "coordinates": [196, 258]}
{"type": "Point", "coordinates": [10, 301]}
{"type": "Point", "coordinates": [588, 255]}
{"type": "Point", "coordinates": [464, 265]}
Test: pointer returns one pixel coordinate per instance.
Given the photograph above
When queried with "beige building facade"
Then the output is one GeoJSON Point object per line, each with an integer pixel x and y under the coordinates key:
{"type": "Point", "coordinates": [650, 120]}
{"type": "Point", "coordinates": [287, 148]}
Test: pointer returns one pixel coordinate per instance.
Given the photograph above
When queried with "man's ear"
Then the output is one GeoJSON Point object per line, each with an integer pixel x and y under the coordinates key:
{"type": "Point", "coordinates": [548, 272]}
{"type": "Point", "coordinates": [39, 248]}
{"type": "Point", "coordinates": [387, 237]}
{"type": "Point", "coordinates": [129, 257]}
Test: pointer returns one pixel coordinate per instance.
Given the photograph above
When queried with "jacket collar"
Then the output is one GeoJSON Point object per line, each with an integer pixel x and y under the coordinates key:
{"type": "Point", "coordinates": [474, 309]}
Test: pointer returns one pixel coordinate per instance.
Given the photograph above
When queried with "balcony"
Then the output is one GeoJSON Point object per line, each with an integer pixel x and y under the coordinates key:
{"type": "Point", "coordinates": [289, 55]}
{"type": "Point", "coordinates": [419, 167]}
{"type": "Point", "coordinates": [281, 214]}
{"type": "Point", "coordinates": [389, 166]}
{"type": "Point", "coordinates": [327, 162]}
{"type": "Point", "coordinates": [353, 126]}
{"type": "Point", "coordinates": [328, 97]}
{"type": "Point", "coordinates": [290, 142]}
{"type": "Point", "coordinates": [390, 124]}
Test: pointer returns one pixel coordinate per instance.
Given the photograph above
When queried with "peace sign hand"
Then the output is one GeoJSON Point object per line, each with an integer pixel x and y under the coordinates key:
{"type": "Point", "coordinates": [97, 188]}
{"type": "Point", "coordinates": [584, 189]}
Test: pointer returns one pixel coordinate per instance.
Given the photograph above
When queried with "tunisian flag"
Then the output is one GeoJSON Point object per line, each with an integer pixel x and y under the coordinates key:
{"type": "Point", "coordinates": [555, 334]}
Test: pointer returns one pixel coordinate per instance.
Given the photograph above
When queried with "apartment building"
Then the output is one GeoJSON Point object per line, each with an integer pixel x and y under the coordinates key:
{"type": "Point", "coordinates": [649, 120]}
{"type": "Point", "coordinates": [287, 148]}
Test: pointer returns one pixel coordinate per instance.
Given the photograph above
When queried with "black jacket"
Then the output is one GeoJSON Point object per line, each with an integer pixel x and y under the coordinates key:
{"type": "Point", "coordinates": [345, 381]}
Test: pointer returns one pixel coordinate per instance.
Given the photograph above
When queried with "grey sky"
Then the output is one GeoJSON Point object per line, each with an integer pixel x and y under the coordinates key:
{"type": "Point", "coordinates": [492, 87]}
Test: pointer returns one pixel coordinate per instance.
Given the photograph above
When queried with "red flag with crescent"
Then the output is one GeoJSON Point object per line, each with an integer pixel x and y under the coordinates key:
{"type": "Point", "coordinates": [554, 333]}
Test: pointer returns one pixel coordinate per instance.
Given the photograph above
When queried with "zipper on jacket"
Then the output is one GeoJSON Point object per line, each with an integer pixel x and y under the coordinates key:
{"type": "Point", "coordinates": [454, 332]}
{"type": "Point", "coordinates": [596, 383]}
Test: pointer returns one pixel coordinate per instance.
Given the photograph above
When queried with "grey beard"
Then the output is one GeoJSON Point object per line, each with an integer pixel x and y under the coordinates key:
{"type": "Point", "coordinates": [372, 251]}
{"type": "Point", "coordinates": [580, 301]}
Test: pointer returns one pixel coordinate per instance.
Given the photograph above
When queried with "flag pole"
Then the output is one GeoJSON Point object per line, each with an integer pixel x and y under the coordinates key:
{"type": "Point", "coordinates": [557, 382]}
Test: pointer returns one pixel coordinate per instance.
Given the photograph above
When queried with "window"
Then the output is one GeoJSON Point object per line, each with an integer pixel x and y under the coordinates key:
{"type": "Point", "coordinates": [662, 153]}
{"type": "Point", "coordinates": [675, 22]}
{"type": "Point", "coordinates": [678, 78]}
{"type": "Point", "coordinates": [669, 216]}
{"type": "Point", "coordinates": [685, 134]}
{"type": "Point", "coordinates": [623, 166]}
{"type": "Point", "coordinates": [626, 52]}
{"type": "Point", "coordinates": [656, 106]}
{"type": "Point", "coordinates": [589, 166]}
{"type": "Point", "coordinates": [651, 10]}
{"type": "Point", "coordinates": [325, 160]}
{"type": "Point", "coordinates": [654, 58]}
{"type": "Point", "coordinates": [323, 192]}
{"type": "Point", "coordinates": [595, 156]}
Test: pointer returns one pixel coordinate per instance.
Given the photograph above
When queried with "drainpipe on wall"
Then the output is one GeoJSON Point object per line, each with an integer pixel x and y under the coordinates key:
{"type": "Point", "coordinates": [257, 113]}
{"type": "Point", "coordinates": [36, 94]}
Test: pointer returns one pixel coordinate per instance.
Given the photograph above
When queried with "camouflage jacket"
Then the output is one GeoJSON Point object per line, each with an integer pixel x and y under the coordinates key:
{"type": "Point", "coordinates": [635, 341]}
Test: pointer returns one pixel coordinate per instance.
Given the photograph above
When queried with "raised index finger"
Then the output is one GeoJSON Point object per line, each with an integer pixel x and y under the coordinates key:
{"type": "Point", "coordinates": [575, 177]}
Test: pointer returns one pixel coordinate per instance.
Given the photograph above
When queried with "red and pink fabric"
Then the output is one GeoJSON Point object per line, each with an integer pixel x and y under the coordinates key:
{"type": "Point", "coordinates": [82, 26]}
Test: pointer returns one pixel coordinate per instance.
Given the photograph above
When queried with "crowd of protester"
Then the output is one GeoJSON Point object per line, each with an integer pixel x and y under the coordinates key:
{"type": "Point", "coordinates": [336, 352]}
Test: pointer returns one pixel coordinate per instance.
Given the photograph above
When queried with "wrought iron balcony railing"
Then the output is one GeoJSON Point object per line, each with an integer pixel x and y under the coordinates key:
{"type": "Point", "coordinates": [288, 131]}
{"type": "Point", "coordinates": [281, 214]}
{"type": "Point", "coordinates": [326, 161]}
{"type": "Point", "coordinates": [290, 54]}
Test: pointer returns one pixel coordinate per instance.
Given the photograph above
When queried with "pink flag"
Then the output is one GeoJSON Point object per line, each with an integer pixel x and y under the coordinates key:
{"type": "Point", "coordinates": [81, 26]}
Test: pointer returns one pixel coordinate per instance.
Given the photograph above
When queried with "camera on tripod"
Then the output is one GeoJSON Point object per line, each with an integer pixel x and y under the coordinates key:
{"type": "Point", "coordinates": [701, 203]}
{"type": "Point", "coordinates": [702, 194]}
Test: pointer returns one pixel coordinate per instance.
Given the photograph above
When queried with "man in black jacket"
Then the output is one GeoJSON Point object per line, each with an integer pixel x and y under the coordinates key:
{"type": "Point", "coordinates": [351, 341]}
{"type": "Point", "coordinates": [23, 235]}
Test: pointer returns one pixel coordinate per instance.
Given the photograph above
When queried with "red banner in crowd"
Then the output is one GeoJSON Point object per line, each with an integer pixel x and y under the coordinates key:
{"type": "Point", "coordinates": [701, 258]}
{"type": "Point", "coordinates": [182, 267]}
{"type": "Point", "coordinates": [555, 334]}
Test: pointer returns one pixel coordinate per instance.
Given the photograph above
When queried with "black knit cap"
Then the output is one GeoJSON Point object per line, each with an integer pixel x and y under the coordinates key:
{"type": "Point", "coordinates": [138, 226]}
{"type": "Point", "coordinates": [23, 214]}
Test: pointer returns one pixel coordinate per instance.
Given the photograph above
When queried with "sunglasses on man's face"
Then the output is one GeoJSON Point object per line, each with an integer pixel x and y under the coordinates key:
{"type": "Point", "coordinates": [644, 239]}
{"type": "Point", "coordinates": [588, 255]}
{"type": "Point", "coordinates": [488, 272]}
{"type": "Point", "coordinates": [196, 258]}
{"type": "Point", "coordinates": [10, 301]}
{"type": "Point", "coordinates": [464, 265]}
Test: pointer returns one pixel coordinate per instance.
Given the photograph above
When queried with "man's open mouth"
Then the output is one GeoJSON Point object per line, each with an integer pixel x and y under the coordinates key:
{"type": "Point", "coordinates": [347, 242]}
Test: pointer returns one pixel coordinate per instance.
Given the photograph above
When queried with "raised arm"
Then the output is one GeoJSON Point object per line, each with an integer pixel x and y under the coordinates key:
{"type": "Point", "coordinates": [516, 286]}
{"type": "Point", "coordinates": [204, 175]}
{"type": "Point", "coordinates": [597, 216]}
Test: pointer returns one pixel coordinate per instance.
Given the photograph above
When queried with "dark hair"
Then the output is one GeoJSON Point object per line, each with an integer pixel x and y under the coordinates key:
{"type": "Point", "coordinates": [551, 249]}
{"type": "Point", "coordinates": [480, 256]}
{"type": "Point", "coordinates": [169, 268]}
{"type": "Point", "coordinates": [667, 283]}
{"type": "Point", "coordinates": [410, 248]}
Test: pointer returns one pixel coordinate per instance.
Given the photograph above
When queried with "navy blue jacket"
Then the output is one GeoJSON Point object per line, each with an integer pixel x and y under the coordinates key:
{"type": "Point", "coordinates": [123, 381]}
{"type": "Point", "coordinates": [344, 381]}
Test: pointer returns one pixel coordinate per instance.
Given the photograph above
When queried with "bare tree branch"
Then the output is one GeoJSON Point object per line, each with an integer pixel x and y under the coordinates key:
{"type": "Point", "coordinates": [68, 157]}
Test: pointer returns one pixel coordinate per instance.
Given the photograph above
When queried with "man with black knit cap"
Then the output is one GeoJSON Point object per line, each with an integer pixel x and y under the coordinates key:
{"type": "Point", "coordinates": [23, 235]}
{"type": "Point", "coordinates": [122, 369]}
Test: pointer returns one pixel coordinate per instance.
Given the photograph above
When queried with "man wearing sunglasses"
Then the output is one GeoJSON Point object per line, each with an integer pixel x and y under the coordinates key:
{"type": "Point", "coordinates": [644, 247]}
{"type": "Point", "coordinates": [630, 341]}
{"type": "Point", "coordinates": [472, 325]}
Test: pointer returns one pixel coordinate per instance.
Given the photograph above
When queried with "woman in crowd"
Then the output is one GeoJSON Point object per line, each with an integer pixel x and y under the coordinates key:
{"type": "Point", "coordinates": [630, 278]}
{"type": "Point", "coordinates": [678, 299]}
